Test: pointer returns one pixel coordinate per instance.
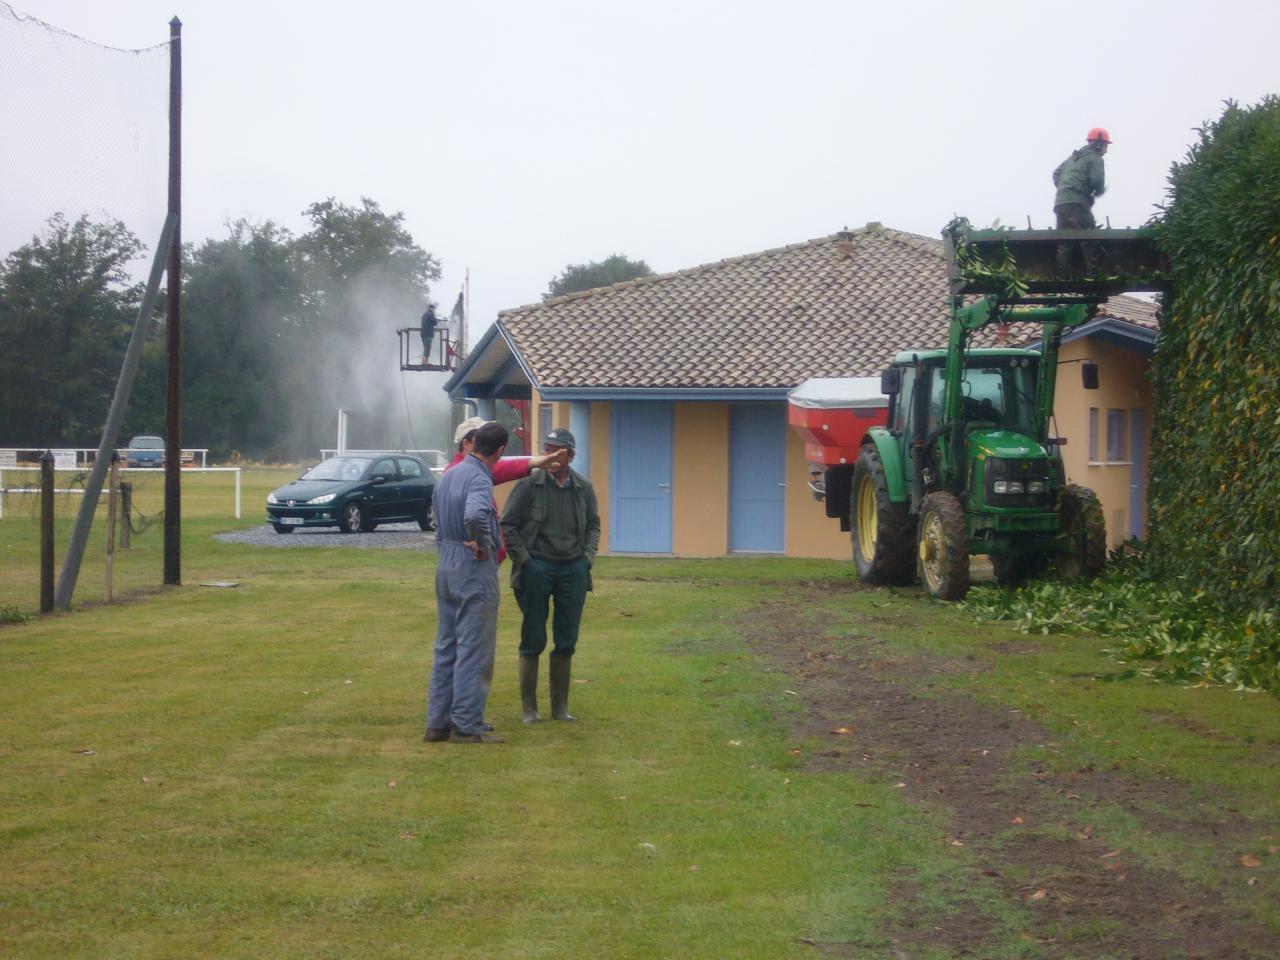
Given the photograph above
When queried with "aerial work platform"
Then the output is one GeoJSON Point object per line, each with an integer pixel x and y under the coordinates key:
{"type": "Point", "coordinates": [443, 357]}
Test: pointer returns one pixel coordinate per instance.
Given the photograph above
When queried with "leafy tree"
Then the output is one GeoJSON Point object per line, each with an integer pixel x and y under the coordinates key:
{"type": "Point", "coordinates": [599, 273]}
{"type": "Point", "coordinates": [242, 303]}
{"type": "Point", "coordinates": [363, 277]}
{"type": "Point", "coordinates": [279, 331]}
{"type": "Point", "coordinates": [351, 253]}
{"type": "Point", "coordinates": [67, 308]}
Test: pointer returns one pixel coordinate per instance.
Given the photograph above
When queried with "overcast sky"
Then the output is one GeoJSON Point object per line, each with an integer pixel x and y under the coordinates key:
{"type": "Point", "coordinates": [519, 137]}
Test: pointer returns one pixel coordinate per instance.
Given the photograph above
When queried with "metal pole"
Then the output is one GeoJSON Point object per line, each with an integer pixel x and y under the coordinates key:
{"type": "Point", "coordinates": [113, 489]}
{"type": "Point", "coordinates": [128, 369]}
{"type": "Point", "coordinates": [173, 421]}
{"type": "Point", "coordinates": [237, 493]}
{"type": "Point", "coordinates": [46, 531]}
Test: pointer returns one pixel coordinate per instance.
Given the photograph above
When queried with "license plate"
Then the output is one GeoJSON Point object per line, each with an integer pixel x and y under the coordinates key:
{"type": "Point", "coordinates": [290, 521]}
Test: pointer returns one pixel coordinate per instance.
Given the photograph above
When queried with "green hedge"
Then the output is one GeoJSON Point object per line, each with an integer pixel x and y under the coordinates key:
{"type": "Point", "coordinates": [1215, 476]}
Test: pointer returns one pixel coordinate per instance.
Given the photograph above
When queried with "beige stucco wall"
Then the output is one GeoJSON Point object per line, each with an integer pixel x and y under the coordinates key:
{"type": "Point", "coordinates": [700, 480]}
{"type": "Point", "coordinates": [1123, 384]}
{"type": "Point", "coordinates": [700, 468]}
{"type": "Point", "coordinates": [810, 532]}
{"type": "Point", "coordinates": [599, 465]}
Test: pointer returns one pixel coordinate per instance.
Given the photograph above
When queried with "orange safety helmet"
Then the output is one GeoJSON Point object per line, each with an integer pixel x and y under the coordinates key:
{"type": "Point", "coordinates": [1098, 133]}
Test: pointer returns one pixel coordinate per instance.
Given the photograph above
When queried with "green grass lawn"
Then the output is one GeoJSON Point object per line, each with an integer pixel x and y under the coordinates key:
{"type": "Point", "coordinates": [240, 772]}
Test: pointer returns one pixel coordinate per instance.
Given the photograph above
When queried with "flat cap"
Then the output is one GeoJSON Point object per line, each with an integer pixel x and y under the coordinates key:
{"type": "Point", "coordinates": [469, 425]}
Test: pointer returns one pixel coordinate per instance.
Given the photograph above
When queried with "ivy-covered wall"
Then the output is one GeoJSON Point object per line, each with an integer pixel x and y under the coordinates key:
{"type": "Point", "coordinates": [1215, 478]}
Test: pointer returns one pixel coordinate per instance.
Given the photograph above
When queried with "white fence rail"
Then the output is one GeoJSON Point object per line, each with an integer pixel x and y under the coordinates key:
{"type": "Point", "coordinates": [123, 470]}
{"type": "Point", "coordinates": [72, 458]}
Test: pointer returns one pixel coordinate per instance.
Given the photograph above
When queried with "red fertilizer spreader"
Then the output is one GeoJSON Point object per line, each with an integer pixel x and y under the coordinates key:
{"type": "Point", "coordinates": [833, 414]}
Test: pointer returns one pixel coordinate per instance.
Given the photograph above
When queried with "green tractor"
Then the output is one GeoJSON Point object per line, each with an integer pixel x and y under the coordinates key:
{"type": "Point", "coordinates": [968, 463]}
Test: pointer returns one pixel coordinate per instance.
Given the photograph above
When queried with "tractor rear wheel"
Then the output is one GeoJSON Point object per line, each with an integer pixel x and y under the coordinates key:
{"type": "Point", "coordinates": [882, 529]}
{"type": "Point", "coordinates": [943, 547]}
{"type": "Point", "coordinates": [1081, 516]}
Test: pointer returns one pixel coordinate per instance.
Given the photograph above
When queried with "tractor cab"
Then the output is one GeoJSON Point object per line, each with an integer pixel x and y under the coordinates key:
{"type": "Point", "coordinates": [1012, 465]}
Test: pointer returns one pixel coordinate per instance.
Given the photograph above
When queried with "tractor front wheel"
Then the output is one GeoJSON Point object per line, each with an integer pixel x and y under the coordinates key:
{"type": "Point", "coordinates": [881, 527]}
{"type": "Point", "coordinates": [943, 547]}
{"type": "Point", "coordinates": [1083, 523]}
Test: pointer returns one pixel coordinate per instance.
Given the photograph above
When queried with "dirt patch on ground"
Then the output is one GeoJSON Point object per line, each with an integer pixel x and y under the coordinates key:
{"type": "Point", "coordinates": [1029, 826]}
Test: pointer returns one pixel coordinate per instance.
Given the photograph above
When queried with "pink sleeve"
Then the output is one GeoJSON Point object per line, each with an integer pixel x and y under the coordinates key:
{"type": "Point", "coordinates": [510, 468]}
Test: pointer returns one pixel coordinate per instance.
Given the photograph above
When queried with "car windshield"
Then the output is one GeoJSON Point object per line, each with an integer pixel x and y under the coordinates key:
{"type": "Point", "coordinates": [147, 443]}
{"type": "Point", "coordinates": [337, 468]}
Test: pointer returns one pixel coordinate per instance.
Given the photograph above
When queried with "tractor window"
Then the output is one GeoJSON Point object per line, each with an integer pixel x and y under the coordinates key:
{"type": "Point", "coordinates": [1002, 395]}
{"type": "Point", "coordinates": [983, 395]}
{"type": "Point", "coordinates": [937, 390]}
{"type": "Point", "coordinates": [902, 403]}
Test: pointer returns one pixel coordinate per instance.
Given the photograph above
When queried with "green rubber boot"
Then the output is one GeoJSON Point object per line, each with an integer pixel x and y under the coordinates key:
{"type": "Point", "coordinates": [559, 670]}
{"type": "Point", "coordinates": [529, 688]}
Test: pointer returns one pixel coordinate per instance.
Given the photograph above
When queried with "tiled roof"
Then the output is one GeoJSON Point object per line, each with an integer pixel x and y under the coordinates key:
{"type": "Point", "coordinates": [1129, 309]}
{"type": "Point", "coordinates": [838, 306]}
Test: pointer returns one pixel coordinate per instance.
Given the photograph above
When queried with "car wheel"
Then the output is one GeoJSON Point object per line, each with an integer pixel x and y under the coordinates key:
{"type": "Point", "coordinates": [351, 519]}
{"type": "Point", "coordinates": [425, 520]}
{"type": "Point", "coordinates": [281, 528]}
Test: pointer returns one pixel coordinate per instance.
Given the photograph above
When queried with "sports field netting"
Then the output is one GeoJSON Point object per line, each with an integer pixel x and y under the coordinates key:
{"type": "Point", "coordinates": [85, 131]}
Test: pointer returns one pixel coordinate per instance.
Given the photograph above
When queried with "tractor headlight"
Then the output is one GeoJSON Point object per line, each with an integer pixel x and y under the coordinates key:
{"type": "Point", "coordinates": [327, 498]}
{"type": "Point", "coordinates": [1007, 486]}
{"type": "Point", "coordinates": [271, 498]}
{"type": "Point", "coordinates": [1037, 486]}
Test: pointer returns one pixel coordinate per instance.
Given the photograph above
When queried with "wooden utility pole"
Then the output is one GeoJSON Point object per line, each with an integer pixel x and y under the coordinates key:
{"type": "Point", "coordinates": [46, 532]}
{"type": "Point", "coordinates": [173, 393]}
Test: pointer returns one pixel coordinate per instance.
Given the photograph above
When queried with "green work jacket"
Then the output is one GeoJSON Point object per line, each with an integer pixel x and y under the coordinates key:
{"type": "Point", "coordinates": [526, 509]}
{"type": "Point", "coordinates": [1080, 178]}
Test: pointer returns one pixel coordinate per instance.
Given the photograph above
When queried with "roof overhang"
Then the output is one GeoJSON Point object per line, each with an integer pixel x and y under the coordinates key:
{"type": "Point", "coordinates": [1120, 333]}
{"type": "Point", "coordinates": [664, 393]}
{"type": "Point", "coordinates": [493, 370]}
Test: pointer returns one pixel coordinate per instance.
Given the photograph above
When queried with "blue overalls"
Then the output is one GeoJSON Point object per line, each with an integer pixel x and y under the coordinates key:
{"type": "Point", "coordinates": [466, 598]}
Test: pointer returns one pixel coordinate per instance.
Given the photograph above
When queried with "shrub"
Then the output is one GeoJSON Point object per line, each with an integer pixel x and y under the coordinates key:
{"type": "Point", "coordinates": [1215, 477]}
{"type": "Point", "coordinates": [1191, 635]}
{"type": "Point", "coordinates": [11, 614]}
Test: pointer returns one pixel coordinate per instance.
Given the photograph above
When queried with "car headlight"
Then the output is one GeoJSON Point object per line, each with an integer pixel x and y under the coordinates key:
{"type": "Point", "coordinates": [327, 498]}
{"type": "Point", "coordinates": [271, 498]}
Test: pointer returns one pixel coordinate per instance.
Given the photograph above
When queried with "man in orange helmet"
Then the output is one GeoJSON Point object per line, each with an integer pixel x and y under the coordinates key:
{"type": "Point", "coordinates": [1080, 179]}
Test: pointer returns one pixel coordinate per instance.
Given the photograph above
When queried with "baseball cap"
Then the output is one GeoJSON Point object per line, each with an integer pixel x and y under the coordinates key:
{"type": "Point", "coordinates": [469, 425]}
{"type": "Point", "coordinates": [559, 437]}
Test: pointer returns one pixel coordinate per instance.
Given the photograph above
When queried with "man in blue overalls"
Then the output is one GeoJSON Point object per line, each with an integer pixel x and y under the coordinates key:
{"type": "Point", "coordinates": [466, 593]}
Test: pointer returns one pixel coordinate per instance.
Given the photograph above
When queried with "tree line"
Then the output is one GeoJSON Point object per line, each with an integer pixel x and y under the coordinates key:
{"type": "Point", "coordinates": [278, 330]}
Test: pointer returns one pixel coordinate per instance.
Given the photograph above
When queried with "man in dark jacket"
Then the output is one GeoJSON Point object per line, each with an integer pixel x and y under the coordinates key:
{"type": "Point", "coordinates": [1080, 179]}
{"type": "Point", "coordinates": [552, 528]}
{"type": "Point", "coordinates": [428, 330]}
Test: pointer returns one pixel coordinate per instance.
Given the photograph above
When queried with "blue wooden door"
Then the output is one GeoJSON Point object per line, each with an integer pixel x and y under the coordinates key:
{"type": "Point", "coordinates": [1137, 474]}
{"type": "Point", "coordinates": [640, 477]}
{"type": "Point", "coordinates": [757, 479]}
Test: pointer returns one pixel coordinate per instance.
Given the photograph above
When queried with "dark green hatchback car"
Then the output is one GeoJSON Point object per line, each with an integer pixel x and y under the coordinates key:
{"type": "Point", "coordinates": [355, 494]}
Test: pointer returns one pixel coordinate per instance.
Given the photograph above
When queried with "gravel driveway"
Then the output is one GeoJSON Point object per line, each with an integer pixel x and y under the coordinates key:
{"type": "Point", "coordinates": [393, 536]}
